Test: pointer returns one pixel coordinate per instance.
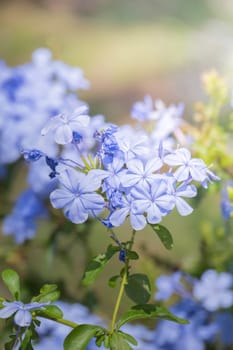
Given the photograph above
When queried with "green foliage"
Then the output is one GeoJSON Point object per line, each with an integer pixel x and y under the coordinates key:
{"type": "Point", "coordinates": [138, 288]}
{"type": "Point", "coordinates": [50, 311]}
{"type": "Point", "coordinates": [12, 281]}
{"type": "Point", "coordinates": [164, 235]}
{"type": "Point", "coordinates": [145, 311]}
{"type": "Point", "coordinates": [48, 292]}
{"type": "Point", "coordinates": [97, 264]}
{"type": "Point", "coordinates": [79, 337]}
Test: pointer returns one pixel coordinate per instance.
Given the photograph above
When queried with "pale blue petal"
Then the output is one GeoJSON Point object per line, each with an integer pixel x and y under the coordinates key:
{"type": "Point", "coordinates": [138, 222]}
{"type": "Point", "coordinates": [59, 198]}
{"type": "Point", "coordinates": [183, 207]}
{"type": "Point", "coordinates": [118, 217]}
{"type": "Point", "coordinates": [154, 215]}
{"type": "Point", "coordinates": [182, 173]}
{"type": "Point", "coordinates": [75, 212]}
{"type": "Point", "coordinates": [71, 179]}
{"type": "Point", "coordinates": [23, 318]}
{"type": "Point", "coordinates": [10, 308]}
{"type": "Point", "coordinates": [92, 201]}
{"type": "Point", "coordinates": [63, 134]}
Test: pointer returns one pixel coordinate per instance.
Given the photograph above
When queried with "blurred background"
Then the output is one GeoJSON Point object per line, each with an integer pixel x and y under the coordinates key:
{"type": "Point", "coordinates": [127, 49]}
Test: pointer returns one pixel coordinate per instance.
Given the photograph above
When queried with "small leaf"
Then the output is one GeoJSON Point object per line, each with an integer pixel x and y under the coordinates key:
{"type": "Point", "coordinates": [132, 255]}
{"type": "Point", "coordinates": [128, 337]}
{"type": "Point", "coordinates": [164, 235]}
{"type": "Point", "coordinates": [117, 342]}
{"type": "Point", "coordinates": [12, 281]}
{"type": "Point", "coordinates": [138, 288]}
{"type": "Point", "coordinates": [97, 264]}
{"type": "Point", "coordinates": [51, 311]}
{"type": "Point", "coordinates": [149, 311]}
{"type": "Point", "coordinates": [48, 292]}
{"type": "Point", "coordinates": [113, 280]}
{"type": "Point", "coordinates": [79, 337]}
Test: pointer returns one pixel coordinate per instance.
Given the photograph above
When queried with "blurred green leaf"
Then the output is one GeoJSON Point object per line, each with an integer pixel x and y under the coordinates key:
{"type": "Point", "coordinates": [113, 280]}
{"type": "Point", "coordinates": [164, 235]}
{"type": "Point", "coordinates": [149, 311]}
{"type": "Point", "coordinates": [97, 264]}
{"type": "Point", "coordinates": [12, 281]}
{"type": "Point", "coordinates": [79, 337]}
{"type": "Point", "coordinates": [117, 342]}
{"type": "Point", "coordinates": [138, 288]}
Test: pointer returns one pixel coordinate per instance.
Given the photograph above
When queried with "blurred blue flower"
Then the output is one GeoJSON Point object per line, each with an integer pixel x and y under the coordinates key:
{"type": "Point", "coordinates": [213, 290]}
{"type": "Point", "coordinates": [65, 124]}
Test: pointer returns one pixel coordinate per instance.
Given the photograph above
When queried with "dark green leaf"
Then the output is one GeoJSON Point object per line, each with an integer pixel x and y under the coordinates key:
{"type": "Point", "coordinates": [138, 288]}
{"type": "Point", "coordinates": [164, 235]}
{"type": "Point", "coordinates": [117, 342]}
{"type": "Point", "coordinates": [113, 280]}
{"type": "Point", "coordinates": [131, 255]}
{"type": "Point", "coordinates": [11, 280]}
{"type": "Point", "coordinates": [51, 311]}
{"type": "Point", "coordinates": [97, 264]}
{"type": "Point", "coordinates": [79, 337]}
{"type": "Point", "coordinates": [149, 311]}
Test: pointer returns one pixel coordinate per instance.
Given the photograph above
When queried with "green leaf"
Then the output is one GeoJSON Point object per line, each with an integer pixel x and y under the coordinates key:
{"type": "Point", "coordinates": [51, 311]}
{"type": "Point", "coordinates": [113, 280]}
{"type": "Point", "coordinates": [128, 337]}
{"type": "Point", "coordinates": [118, 342]}
{"type": "Point", "coordinates": [138, 288]}
{"type": "Point", "coordinates": [132, 255]}
{"type": "Point", "coordinates": [26, 343]}
{"type": "Point", "coordinates": [149, 311]}
{"type": "Point", "coordinates": [12, 281]}
{"type": "Point", "coordinates": [48, 292]}
{"type": "Point", "coordinates": [79, 337]}
{"type": "Point", "coordinates": [97, 264]}
{"type": "Point", "coordinates": [164, 235]}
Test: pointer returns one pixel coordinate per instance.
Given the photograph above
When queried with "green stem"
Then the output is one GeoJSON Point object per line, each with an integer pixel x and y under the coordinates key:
{"type": "Point", "coordinates": [122, 286]}
{"type": "Point", "coordinates": [60, 320]}
{"type": "Point", "coordinates": [120, 295]}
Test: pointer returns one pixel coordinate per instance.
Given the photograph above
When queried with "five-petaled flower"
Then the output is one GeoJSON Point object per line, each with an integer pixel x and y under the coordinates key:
{"type": "Point", "coordinates": [77, 195]}
{"type": "Point", "coordinates": [23, 316]}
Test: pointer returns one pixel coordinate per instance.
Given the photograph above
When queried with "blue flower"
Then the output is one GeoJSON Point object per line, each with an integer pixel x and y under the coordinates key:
{"type": "Point", "coordinates": [187, 166]}
{"type": "Point", "coordinates": [169, 285]}
{"type": "Point", "coordinates": [77, 195]}
{"type": "Point", "coordinates": [139, 173]}
{"type": "Point", "coordinates": [154, 200]}
{"type": "Point", "coordinates": [213, 290]}
{"type": "Point", "coordinates": [143, 111]}
{"type": "Point", "coordinates": [23, 316]}
{"type": "Point", "coordinates": [226, 203]}
{"type": "Point", "coordinates": [65, 124]}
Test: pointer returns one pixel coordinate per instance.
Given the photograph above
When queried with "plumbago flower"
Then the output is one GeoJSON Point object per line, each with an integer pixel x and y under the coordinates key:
{"type": "Point", "coordinates": [118, 179]}
{"type": "Point", "coordinates": [22, 312]}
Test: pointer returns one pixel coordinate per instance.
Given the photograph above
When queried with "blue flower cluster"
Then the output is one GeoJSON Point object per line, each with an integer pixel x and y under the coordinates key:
{"type": "Point", "coordinates": [204, 302]}
{"type": "Point", "coordinates": [122, 173]}
{"type": "Point", "coordinates": [30, 94]}
{"type": "Point", "coordinates": [102, 170]}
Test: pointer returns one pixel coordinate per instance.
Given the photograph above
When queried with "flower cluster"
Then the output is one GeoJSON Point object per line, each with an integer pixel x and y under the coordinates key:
{"type": "Point", "coordinates": [125, 173]}
{"type": "Point", "coordinates": [203, 302]}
